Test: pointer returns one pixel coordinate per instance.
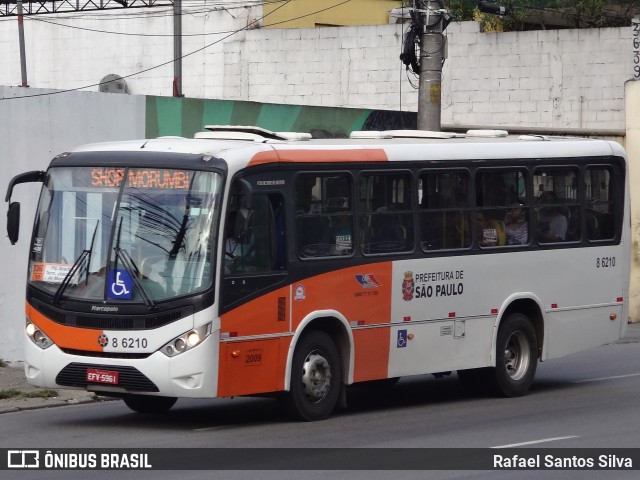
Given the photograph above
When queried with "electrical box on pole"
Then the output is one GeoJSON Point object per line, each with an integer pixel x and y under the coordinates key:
{"type": "Point", "coordinates": [424, 53]}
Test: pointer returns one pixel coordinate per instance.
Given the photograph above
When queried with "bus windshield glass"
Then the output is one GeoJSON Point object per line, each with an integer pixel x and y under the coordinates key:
{"type": "Point", "coordinates": [135, 235]}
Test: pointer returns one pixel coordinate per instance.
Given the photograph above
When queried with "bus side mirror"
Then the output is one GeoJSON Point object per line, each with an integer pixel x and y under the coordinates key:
{"type": "Point", "coordinates": [13, 222]}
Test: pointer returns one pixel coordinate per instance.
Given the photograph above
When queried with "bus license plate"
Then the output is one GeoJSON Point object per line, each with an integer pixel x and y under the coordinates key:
{"type": "Point", "coordinates": [102, 376]}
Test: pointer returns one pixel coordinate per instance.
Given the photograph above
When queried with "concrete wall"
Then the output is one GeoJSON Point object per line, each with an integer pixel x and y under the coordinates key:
{"type": "Point", "coordinates": [32, 131]}
{"type": "Point", "coordinates": [563, 79]}
{"type": "Point", "coordinates": [78, 49]}
{"type": "Point", "coordinates": [548, 79]}
{"type": "Point", "coordinates": [632, 145]}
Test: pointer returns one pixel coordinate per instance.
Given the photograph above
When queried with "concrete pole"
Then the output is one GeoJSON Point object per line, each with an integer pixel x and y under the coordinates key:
{"type": "Point", "coordinates": [431, 57]}
{"type": "Point", "coordinates": [177, 48]}
{"type": "Point", "coordinates": [23, 59]}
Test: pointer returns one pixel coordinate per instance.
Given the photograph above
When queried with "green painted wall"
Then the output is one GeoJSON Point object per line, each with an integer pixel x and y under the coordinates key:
{"type": "Point", "coordinates": [186, 116]}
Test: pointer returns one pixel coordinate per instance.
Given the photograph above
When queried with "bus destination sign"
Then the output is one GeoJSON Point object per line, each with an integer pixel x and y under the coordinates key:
{"type": "Point", "coordinates": [140, 178]}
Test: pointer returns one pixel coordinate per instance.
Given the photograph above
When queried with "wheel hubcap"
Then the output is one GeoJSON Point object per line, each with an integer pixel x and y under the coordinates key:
{"type": "Point", "coordinates": [516, 355]}
{"type": "Point", "coordinates": [316, 377]}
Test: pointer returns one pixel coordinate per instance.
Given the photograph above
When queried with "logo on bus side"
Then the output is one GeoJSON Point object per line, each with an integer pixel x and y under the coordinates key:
{"type": "Point", "coordinates": [368, 280]}
{"type": "Point", "coordinates": [408, 286]}
{"type": "Point", "coordinates": [299, 295]}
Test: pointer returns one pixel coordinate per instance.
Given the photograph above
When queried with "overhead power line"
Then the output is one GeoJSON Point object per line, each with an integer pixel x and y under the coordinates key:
{"type": "Point", "coordinates": [140, 7]}
{"type": "Point", "coordinates": [204, 34]}
{"type": "Point", "coordinates": [230, 34]}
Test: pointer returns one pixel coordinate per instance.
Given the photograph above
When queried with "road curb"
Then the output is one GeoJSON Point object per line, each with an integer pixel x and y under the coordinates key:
{"type": "Point", "coordinates": [26, 404]}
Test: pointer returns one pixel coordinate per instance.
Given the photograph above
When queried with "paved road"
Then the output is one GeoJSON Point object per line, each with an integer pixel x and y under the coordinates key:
{"type": "Point", "coordinates": [585, 400]}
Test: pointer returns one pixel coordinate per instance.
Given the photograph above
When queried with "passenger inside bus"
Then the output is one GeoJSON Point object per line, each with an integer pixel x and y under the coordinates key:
{"type": "Point", "coordinates": [552, 222]}
{"type": "Point", "coordinates": [239, 244]}
{"type": "Point", "coordinates": [516, 226]}
{"type": "Point", "coordinates": [255, 235]}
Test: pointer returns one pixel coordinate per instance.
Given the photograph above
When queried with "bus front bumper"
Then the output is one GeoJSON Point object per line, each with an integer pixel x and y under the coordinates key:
{"type": "Point", "coordinates": [192, 374]}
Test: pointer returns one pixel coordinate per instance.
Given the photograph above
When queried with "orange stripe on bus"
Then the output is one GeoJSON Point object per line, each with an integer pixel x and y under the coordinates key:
{"type": "Point", "coordinates": [64, 336]}
{"type": "Point", "coordinates": [320, 156]}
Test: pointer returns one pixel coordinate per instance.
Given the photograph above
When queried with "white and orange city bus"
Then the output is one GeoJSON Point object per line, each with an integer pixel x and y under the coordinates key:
{"type": "Point", "coordinates": [244, 262]}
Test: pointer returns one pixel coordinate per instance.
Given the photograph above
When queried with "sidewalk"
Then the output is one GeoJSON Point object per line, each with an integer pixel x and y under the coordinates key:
{"type": "Point", "coordinates": [23, 396]}
{"type": "Point", "coordinates": [12, 378]}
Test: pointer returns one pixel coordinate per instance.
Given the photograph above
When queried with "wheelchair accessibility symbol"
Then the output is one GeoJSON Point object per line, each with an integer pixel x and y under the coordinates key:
{"type": "Point", "coordinates": [402, 339]}
{"type": "Point", "coordinates": [120, 285]}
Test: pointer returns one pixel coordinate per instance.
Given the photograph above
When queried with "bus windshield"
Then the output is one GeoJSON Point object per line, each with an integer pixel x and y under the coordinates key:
{"type": "Point", "coordinates": [136, 235]}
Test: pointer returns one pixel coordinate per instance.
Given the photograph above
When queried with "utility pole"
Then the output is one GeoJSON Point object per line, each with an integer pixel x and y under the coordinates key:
{"type": "Point", "coordinates": [23, 60]}
{"type": "Point", "coordinates": [177, 48]}
{"type": "Point", "coordinates": [432, 48]}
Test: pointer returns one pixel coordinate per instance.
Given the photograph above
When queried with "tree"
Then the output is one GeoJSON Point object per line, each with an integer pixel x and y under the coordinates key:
{"type": "Point", "coordinates": [536, 15]}
{"type": "Point", "coordinates": [598, 13]}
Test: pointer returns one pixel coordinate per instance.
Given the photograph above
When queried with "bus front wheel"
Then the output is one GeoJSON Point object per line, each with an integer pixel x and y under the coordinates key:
{"type": "Point", "coordinates": [316, 378]}
{"type": "Point", "coordinates": [149, 404]}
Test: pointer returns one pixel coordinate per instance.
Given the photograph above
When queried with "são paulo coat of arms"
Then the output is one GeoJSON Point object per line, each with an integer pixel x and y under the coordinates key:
{"type": "Point", "coordinates": [408, 286]}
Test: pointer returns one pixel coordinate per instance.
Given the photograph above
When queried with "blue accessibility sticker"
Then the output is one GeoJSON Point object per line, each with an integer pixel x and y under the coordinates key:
{"type": "Point", "coordinates": [120, 285]}
{"type": "Point", "coordinates": [402, 339]}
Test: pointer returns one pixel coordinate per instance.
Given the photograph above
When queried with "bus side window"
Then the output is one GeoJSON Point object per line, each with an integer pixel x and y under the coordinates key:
{"type": "Point", "coordinates": [557, 209]}
{"type": "Point", "coordinates": [324, 217]}
{"type": "Point", "coordinates": [255, 244]}
{"type": "Point", "coordinates": [600, 206]}
{"type": "Point", "coordinates": [445, 210]}
{"type": "Point", "coordinates": [386, 221]}
{"type": "Point", "coordinates": [503, 212]}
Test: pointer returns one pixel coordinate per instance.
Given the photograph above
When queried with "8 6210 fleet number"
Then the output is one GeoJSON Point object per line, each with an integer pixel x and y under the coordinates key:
{"type": "Point", "coordinates": [605, 262]}
{"type": "Point", "coordinates": [129, 342]}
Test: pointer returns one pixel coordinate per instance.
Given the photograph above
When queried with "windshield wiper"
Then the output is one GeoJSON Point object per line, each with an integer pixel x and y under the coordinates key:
{"type": "Point", "coordinates": [132, 269]}
{"type": "Point", "coordinates": [84, 257]}
{"type": "Point", "coordinates": [70, 274]}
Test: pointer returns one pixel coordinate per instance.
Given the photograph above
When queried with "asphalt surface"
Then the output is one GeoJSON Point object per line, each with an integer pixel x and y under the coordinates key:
{"type": "Point", "coordinates": [22, 396]}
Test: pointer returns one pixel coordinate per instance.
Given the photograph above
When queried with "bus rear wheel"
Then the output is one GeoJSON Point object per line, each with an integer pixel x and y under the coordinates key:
{"type": "Point", "coordinates": [516, 356]}
{"type": "Point", "coordinates": [316, 378]}
{"type": "Point", "coordinates": [516, 361]}
{"type": "Point", "coordinates": [149, 404]}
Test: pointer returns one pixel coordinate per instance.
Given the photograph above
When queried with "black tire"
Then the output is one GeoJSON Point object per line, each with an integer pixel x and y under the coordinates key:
{"type": "Point", "coordinates": [316, 378]}
{"type": "Point", "coordinates": [516, 356]}
{"type": "Point", "coordinates": [516, 361]}
{"type": "Point", "coordinates": [149, 404]}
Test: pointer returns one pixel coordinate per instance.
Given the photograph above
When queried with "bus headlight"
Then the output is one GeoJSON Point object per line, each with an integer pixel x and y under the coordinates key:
{"type": "Point", "coordinates": [186, 341]}
{"type": "Point", "coordinates": [37, 336]}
